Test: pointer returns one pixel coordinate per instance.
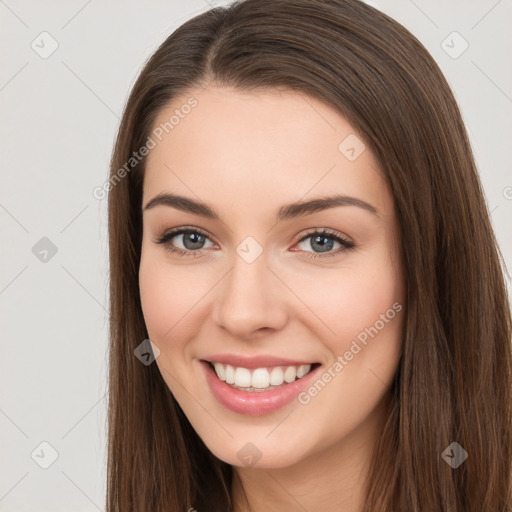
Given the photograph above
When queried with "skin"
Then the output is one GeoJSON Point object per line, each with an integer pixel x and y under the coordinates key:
{"type": "Point", "coordinates": [246, 154]}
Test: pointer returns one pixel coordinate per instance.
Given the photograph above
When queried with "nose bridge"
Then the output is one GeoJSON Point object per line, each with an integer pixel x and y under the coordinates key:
{"type": "Point", "coordinates": [248, 300]}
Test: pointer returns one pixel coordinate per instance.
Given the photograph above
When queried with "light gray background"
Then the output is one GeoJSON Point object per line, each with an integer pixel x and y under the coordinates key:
{"type": "Point", "coordinates": [59, 118]}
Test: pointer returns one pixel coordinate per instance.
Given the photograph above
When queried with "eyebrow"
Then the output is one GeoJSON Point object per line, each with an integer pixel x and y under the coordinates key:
{"type": "Point", "coordinates": [285, 212]}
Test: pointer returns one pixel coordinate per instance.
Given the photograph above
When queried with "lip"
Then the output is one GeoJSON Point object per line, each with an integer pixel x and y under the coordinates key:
{"type": "Point", "coordinates": [256, 403]}
{"type": "Point", "coordinates": [254, 362]}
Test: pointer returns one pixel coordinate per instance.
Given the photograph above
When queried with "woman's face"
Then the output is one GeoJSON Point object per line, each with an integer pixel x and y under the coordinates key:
{"type": "Point", "coordinates": [254, 286]}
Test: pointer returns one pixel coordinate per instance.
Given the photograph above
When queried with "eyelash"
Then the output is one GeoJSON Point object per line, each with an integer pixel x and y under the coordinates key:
{"type": "Point", "coordinates": [166, 237]}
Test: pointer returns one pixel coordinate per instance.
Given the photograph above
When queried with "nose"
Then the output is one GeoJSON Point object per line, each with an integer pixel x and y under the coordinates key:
{"type": "Point", "coordinates": [249, 302]}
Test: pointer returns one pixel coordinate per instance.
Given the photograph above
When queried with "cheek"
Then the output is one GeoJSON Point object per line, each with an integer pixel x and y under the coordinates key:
{"type": "Point", "coordinates": [363, 307]}
{"type": "Point", "coordinates": [155, 299]}
{"type": "Point", "coordinates": [170, 299]}
{"type": "Point", "coordinates": [350, 300]}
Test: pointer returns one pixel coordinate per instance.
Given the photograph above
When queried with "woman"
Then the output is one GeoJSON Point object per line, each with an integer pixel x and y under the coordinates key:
{"type": "Point", "coordinates": [297, 225]}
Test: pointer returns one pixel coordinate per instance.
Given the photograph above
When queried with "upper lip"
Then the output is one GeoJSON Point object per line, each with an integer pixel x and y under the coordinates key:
{"type": "Point", "coordinates": [262, 361]}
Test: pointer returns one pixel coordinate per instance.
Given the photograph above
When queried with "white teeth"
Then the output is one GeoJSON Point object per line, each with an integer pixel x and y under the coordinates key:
{"type": "Point", "coordinates": [290, 374]}
{"type": "Point", "coordinates": [242, 377]}
{"type": "Point", "coordinates": [219, 370]}
{"type": "Point", "coordinates": [302, 370]}
{"type": "Point", "coordinates": [230, 374]}
{"type": "Point", "coordinates": [259, 378]}
{"type": "Point", "coordinates": [276, 376]}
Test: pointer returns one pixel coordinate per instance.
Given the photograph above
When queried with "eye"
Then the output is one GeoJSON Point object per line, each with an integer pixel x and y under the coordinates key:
{"type": "Point", "coordinates": [323, 241]}
{"type": "Point", "coordinates": [192, 241]}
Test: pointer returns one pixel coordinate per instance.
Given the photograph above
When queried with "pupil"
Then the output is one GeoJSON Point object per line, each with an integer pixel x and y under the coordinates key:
{"type": "Point", "coordinates": [322, 245]}
{"type": "Point", "coordinates": [196, 241]}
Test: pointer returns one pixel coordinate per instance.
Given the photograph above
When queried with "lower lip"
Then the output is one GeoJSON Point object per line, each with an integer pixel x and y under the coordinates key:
{"type": "Point", "coordinates": [255, 403]}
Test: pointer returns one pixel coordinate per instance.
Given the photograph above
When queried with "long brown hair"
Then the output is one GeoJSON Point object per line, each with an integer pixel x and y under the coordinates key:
{"type": "Point", "coordinates": [453, 382]}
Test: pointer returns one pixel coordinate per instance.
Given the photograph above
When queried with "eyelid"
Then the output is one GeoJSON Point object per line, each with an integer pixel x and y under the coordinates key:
{"type": "Point", "coordinates": [327, 231]}
{"type": "Point", "coordinates": [179, 230]}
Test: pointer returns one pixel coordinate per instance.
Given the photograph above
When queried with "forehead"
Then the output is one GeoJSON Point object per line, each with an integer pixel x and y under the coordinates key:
{"type": "Point", "coordinates": [257, 149]}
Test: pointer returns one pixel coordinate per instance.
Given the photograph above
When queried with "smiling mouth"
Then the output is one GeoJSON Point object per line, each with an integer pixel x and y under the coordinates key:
{"type": "Point", "coordinates": [259, 379]}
